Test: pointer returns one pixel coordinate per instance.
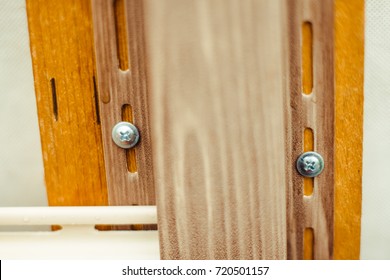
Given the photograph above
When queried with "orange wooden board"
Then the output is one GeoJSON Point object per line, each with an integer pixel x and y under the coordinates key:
{"type": "Point", "coordinates": [61, 41]}
{"type": "Point", "coordinates": [349, 72]}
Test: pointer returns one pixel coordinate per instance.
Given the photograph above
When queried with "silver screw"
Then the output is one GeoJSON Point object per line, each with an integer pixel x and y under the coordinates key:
{"type": "Point", "coordinates": [310, 164]}
{"type": "Point", "coordinates": [125, 135]}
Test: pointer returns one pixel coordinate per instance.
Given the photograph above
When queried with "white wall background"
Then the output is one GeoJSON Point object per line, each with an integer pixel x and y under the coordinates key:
{"type": "Point", "coordinates": [375, 242]}
{"type": "Point", "coordinates": [21, 167]}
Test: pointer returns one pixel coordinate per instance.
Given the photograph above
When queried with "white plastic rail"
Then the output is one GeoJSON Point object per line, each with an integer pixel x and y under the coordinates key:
{"type": "Point", "coordinates": [78, 238]}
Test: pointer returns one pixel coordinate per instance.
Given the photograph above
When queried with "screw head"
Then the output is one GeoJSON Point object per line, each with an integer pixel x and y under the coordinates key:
{"type": "Point", "coordinates": [125, 135]}
{"type": "Point", "coordinates": [310, 164]}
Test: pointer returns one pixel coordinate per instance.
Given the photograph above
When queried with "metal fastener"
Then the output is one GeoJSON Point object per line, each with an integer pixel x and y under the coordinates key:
{"type": "Point", "coordinates": [125, 135]}
{"type": "Point", "coordinates": [310, 164]}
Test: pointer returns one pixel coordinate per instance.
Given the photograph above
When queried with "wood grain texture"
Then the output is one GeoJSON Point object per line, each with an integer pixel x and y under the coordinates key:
{"type": "Point", "coordinates": [62, 55]}
{"type": "Point", "coordinates": [314, 111]}
{"type": "Point", "coordinates": [118, 88]}
{"type": "Point", "coordinates": [217, 99]}
{"type": "Point", "coordinates": [349, 55]}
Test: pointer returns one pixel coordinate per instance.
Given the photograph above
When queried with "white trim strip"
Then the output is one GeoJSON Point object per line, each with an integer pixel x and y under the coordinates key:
{"type": "Point", "coordinates": [78, 238]}
{"type": "Point", "coordinates": [86, 215]}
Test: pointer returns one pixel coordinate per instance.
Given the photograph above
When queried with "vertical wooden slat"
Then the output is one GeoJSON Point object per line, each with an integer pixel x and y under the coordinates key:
{"type": "Point", "coordinates": [64, 72]}
{"type": "Point", "coordinates": [349, 56]}
{"type": "Point", "coordinates": [119, 87]}
{"type": "Point", "coordinates": [217, 88]}
{"type": "Point", "coordinates": [315, 111]}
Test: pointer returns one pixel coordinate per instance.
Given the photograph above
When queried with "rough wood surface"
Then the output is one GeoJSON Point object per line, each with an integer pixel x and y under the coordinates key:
{"type": "Point", "coordinates": [216, 70]}
{"type": "Point", "coordinates": [314, 111]}
{"type": "Point", "coordinates": [117, 87]}
{"type": "Point", "coordinates": [349, 56]}
{"type": "Point", "coordinates": [63, 64]}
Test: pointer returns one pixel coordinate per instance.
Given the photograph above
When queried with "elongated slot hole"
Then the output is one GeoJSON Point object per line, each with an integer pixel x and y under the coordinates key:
{"type": "Point", "coordinates": [121, 34]}
{"type": "Point", "coordinates": [96, 98]}
{"type": "Point", "coordinates": [307, 58]}
{"type": "Point", "coordinates": [126, 227]}
{"type": "Point", "coordinates": [308, 145]}
{"type": "Point", "coordinates": [308, 244]}
{"type": "Point", "coordinates": [127, 116]}
{"type": "Point", "coordinates": [54, 98]}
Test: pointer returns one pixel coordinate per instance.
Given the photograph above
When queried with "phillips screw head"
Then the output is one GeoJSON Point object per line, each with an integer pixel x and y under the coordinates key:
{"type": "Point", "coordinates": [125, 135]}
{"type": "Point", "coordinates": [310, 164]}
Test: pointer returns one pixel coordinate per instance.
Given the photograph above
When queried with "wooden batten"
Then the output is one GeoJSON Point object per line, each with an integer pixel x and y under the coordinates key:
{"type": "Point", "coordinates": [61, 42]}
{"type": "Point", "coordinates": [122, 86]}
{"type": "Point", "coordinates": [315, 111]}
{"type": "Point", "coordinates": [349, 77]}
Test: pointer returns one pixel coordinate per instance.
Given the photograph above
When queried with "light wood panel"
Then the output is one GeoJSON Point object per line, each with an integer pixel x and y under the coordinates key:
{"type": "Point", "coordinates": [64, 73]}
{"type": "Point", "coordinates": [217, 88]}
{"type": "Point", "coordinates": [349, 56]}
{"type": "Point", "coordinates": [118, 87]}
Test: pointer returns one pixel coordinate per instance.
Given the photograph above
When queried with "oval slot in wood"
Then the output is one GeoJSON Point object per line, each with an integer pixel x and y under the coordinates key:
{"type": "Point", "coordinates": [54, 98]}
{"type": "Point", "coordinates": [126, 227]}
{"type": "Point", "coordinates": [127, 116]}
{"type": "Point", "coordinates": [121, 34]}
{"type": "Point", "coordinates": [308, 244]}
{"type": "Point", "coordinates": [307, 57]}
{"type": "Point", "coordinates": [308, 145]}
{"type": "Point", "coordinates": [96, 99]}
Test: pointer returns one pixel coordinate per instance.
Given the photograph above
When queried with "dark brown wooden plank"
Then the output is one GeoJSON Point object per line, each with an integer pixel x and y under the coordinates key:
{"type": "Point", "coordinates": [316, 112]}
{"type": "Point", "coordinates": [133, 185]}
